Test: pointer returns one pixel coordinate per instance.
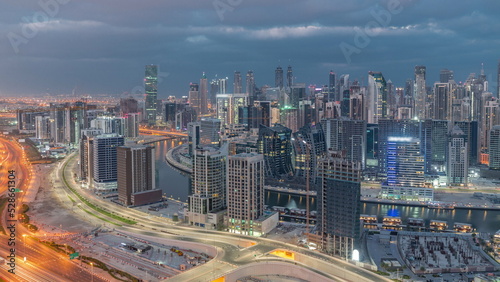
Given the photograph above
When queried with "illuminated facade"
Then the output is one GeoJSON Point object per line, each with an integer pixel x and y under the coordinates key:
{"type": "Point", "coordinates": [275, 144]}
{"type": "Point", "coordinates": [245, 192]}
{"type": "Point", "coordinates": [405, 162]}
{"type": "Point", "coordinates": [151, 88]}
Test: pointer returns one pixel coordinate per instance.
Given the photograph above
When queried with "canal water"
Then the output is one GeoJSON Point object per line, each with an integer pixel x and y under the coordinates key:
{"type": "Point", "coordinates": [176, 185]}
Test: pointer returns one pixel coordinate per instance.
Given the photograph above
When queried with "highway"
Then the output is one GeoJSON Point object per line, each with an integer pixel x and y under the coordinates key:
{"type": "Point", "coordinates": [43, 263]}
{"type": "Point", "coordinates": [230, 255]}
{"type": "Point", "coordinates": [161, 132]}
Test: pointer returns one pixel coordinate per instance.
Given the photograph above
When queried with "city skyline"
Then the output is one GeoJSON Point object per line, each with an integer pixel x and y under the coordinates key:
{"type": "Point", "coordinates": [77, 48]}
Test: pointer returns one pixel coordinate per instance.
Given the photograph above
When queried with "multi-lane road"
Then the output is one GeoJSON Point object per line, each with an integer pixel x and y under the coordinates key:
{"type": "Point", "coordinates": [231, 256]}
{"type": "Point", "coordinates": [42, 263]}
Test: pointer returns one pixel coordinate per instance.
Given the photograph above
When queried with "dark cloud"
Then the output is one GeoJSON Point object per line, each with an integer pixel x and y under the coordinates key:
{"type": "Point", "coordinates": [102, 46]}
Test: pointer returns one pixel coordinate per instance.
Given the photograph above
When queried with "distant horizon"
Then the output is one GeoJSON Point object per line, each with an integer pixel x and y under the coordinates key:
{"type": "Point", "coordinates": [102, 47]}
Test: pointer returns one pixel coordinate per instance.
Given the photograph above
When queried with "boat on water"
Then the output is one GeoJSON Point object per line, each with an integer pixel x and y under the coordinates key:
{"type": "Point", "coordinates": [441, 205]}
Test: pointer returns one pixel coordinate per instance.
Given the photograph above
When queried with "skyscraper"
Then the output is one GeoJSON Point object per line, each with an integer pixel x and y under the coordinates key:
{"type": "Point", "coordinates": [209, 131]}
{"type": "Point", "coordinates": [434, 144]}
{"type": "Point", "coordinates": [394, 128]}
{"type": "Point", "coordinates": [203, 95]}
{"type": "Point", "coordinates": [151, 88]}
{"type": "Point", "coordinates": [308, 144]}
{"type": "Point", "coordinates": [494, 148]}
{"type": "Point", "coordinates": [105, 163]}
{"type": "Point", "coordinates": [498, 80]}
{"type": "Point", "coordinates": [289, 77]}
{"type": "Point", "coordinates": [405, 162]}
{"type": "Point", "coordinates": [237, 85]}
{"type": "Point", "coordinates": [250, 85]}
{"type": "Point", "coordinates": [245, 192]}
{"type": "Point", "coordinates": [420, 93]}
{"type": "Point", "coordinates": [208, 186]}
{"type": "Point", "coordinates": [445, 75]}
{"type": "Point", "coordinates": [457, 163]}
{"type": "Point", "coordinates": [332, 81]}
{"type": "Point", "coordinates": [377, 95]}
{"type": "Point", "coordinates": [346, 135]}
{"type": "Point", "coordinates": [136, 175]}
{"type": "Point", "coordinates": [194, 97]}
{"type": "Point", "coordinates": [441, 103]}
{"type": "Point", "coordinates": [278, 77]}
{"type": "Point", "coordinates": [338, 186]}
{"type": "Point", "coordinates": [274, 144]}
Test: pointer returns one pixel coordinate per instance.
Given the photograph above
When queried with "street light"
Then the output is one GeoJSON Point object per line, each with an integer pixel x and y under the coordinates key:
{"type": "Point", "coordinates": [92, 265]}
{"type": "Point", "coordinates": [24, 246]}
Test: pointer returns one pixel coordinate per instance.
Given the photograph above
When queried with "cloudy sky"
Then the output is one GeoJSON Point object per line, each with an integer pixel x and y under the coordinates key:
{"type": "Point", "coordinates": [96, 46]}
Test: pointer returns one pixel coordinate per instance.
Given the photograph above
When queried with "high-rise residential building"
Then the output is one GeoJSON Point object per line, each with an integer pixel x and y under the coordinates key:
{"type": "Point", "coordinates": [210, 131]}
{"type": "Point", "coordinates": [297, 93]}
{"type": "Point", "coordinates": [289, 77]}
{"type": "Point", "coordinates": [471, 130]}
{"type": "Point", "coordinates": [440, 105]}
{"type": "Point", "coordinates": [342, 85]}
{"type": "Point", "coordinates": [306, 113]}
{"type": "Point", "coordinates": [256, 114]}
{"type": "Point", "coordinates": [405, 162]}
{"type": "Point", "coordinates": [194, 98]}
{"type": "Point", "coordinates": [237, 84]}
{"type": "Point", "coordinates": [105, 163]}
{"type": "Point", "coordinates": [228, 105]}
{"type": "Point", "coordinates": [275, 144]}
{"type": "Point", "coordinates": [491, 117]}
{"type": "Point", "coordinates": [498, 80]}
{"type": "Point", "coordinates": [171, 109]}
{"type": "Point", "coordinates": [203, 94]}
{"type": "Point", "coordinates": [131, 125]}
{"type": "Point", "coordinates": [309, 144]}
{"type": "Point", "coordinates": [278, 77]}
{"type": "Point", "coordinates": [59, 117]}
{"type": "Point", "coordinates": [87, 154]}
{"type": "Point", "coordinates": [208, 186]}
{"type": "Point", "coordinates": [151, 88]}
{"type": "Point", "coordinates": [377, 95]}
{"type": "Point", "coordinates": [42, 127]}
{"type": "Point", "coordinates": [434, 143]}
{"type": "Point", "coordinates": [332, 85]}
{"type": "Point", "coordinates": [356, 102]}
{"type": "Point", "coordinates": [136, 175]}
{"type": "Point", "coordinates": [346, 135]}
{"type": "Point", "coordinates": [494, 148]}
{"type": "Point", "coordinates": [339, 187]}
{"type": "Point", "coordinates": [250, 85]}
{"type": "Point", "coordinates": [194, 137]}
{"type": "Point", "coordinates": [184, 117]}
{"type": "Point", "coordinates": [420, 93]}
{"type": "Point", "coordinates": [457, 169]}
{"type": "Point", "coordinates": [245, 192]}
{"type": "Point", "coordinates": [394, 128]}
{"type": "Point", "coordinates": [445, 75]}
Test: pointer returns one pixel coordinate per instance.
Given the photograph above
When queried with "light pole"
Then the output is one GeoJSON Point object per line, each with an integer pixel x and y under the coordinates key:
{"type": "Point", "coordinates": [24, 246]}
{"type": "Point", "coordinates": [92, 265]}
